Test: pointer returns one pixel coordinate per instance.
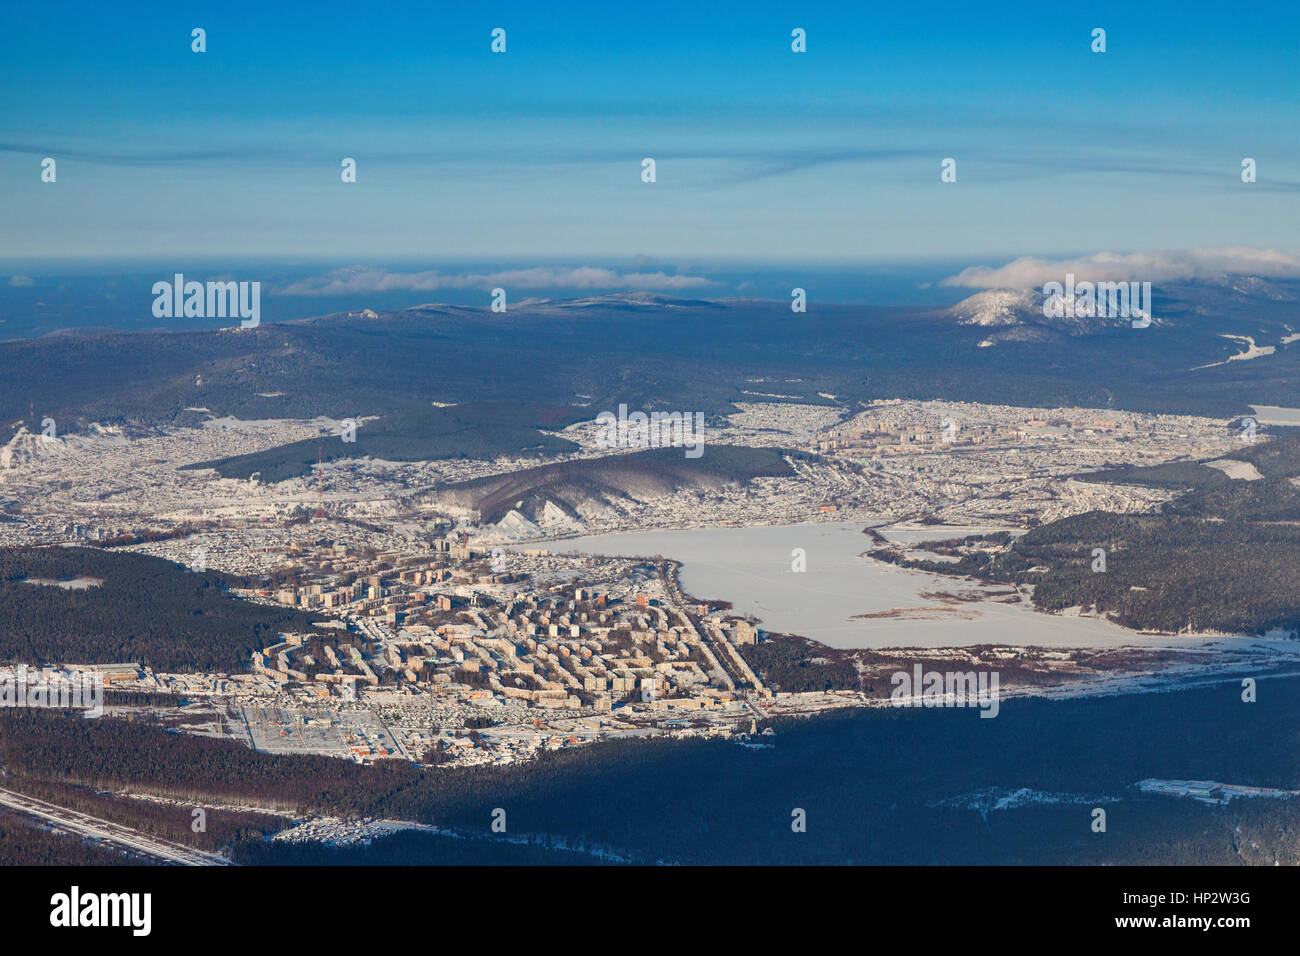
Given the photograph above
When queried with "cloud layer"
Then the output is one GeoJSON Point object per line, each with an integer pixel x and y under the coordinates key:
{"type": "Point", "coordinates": [361, 279]}
{"type": "Point", "coordinates": [1169, 266]}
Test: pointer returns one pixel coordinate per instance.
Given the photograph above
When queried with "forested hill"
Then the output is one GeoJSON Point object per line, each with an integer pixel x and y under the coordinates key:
{"type": "Point", "coordinates": [473, 430]}
{"type": "Point", "coordinates": [1224, 556]}
{"type": "Point", "coordinates": [661, 354]}
{"type": "Point", "coordinates": [142, 609]}
{"type": "Point", "coordinates": [1274, 457]}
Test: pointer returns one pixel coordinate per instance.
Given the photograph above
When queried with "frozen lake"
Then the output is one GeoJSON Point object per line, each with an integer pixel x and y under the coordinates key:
{"type": "Point", "coordinates": [846, 600]}
{"type": "Point", "coordinates": [1276, 415]}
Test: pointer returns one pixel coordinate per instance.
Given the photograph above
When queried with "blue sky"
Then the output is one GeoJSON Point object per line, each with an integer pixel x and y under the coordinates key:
{"type": "Point", "coordinates": [762, 153]}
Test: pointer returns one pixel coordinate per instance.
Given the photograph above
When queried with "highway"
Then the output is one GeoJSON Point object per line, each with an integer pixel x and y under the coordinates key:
{"type": "Point", "coordinates": [164, 851]}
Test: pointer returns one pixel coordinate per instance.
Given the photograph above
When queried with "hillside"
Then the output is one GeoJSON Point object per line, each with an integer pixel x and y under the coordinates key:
{"type": "Point", "coordinates": [574, 486]}
{"type": "Point", "coordinates": [475, 430]}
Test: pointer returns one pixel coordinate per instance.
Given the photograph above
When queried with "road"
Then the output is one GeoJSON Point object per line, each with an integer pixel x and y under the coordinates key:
{"type": "Point", "coordinates": [739, 673]}
{"type": "Point", "coordinates": [161, 850]}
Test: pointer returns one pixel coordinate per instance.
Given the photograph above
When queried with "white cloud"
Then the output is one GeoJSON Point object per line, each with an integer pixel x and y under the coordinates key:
{"type": "Point", "coordinates": [23, 282]}
{"type": "Point", "coordinates": [1168, 266]}
{"type": "Point", "coordinates": [360, 280]}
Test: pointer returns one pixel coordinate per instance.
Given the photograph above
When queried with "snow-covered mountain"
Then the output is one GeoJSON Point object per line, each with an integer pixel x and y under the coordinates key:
{"type": "Point", "coordinates": [998, 307]}
{"type": "Point", "coordinates": [1020, 315]}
